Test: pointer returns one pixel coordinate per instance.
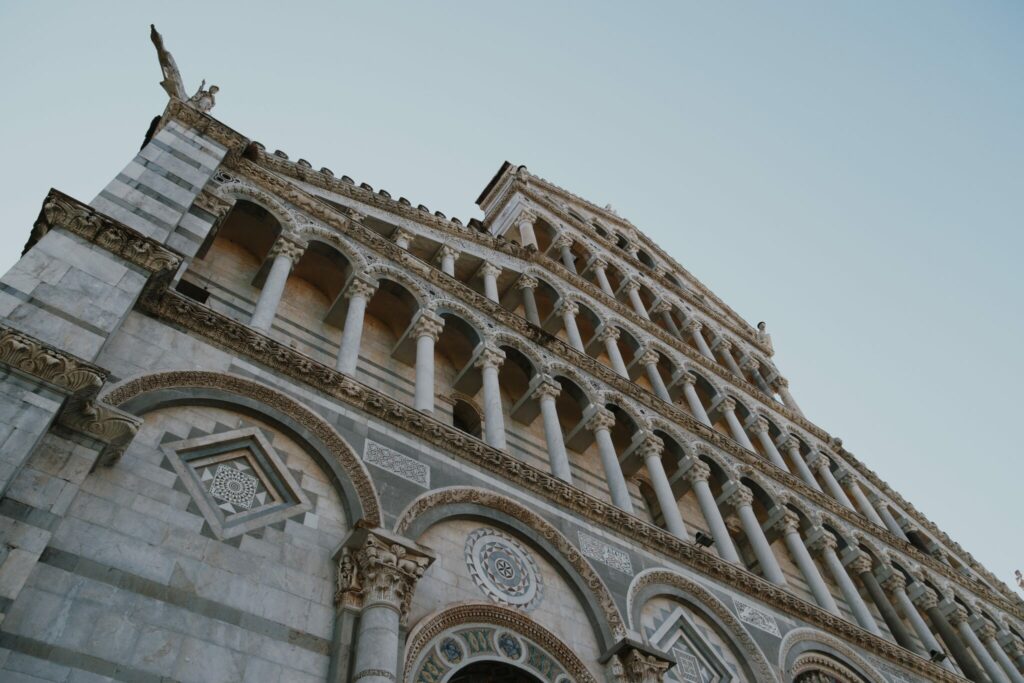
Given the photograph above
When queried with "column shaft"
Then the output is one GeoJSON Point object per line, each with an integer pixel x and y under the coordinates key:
{"type": "Point", "coordinates": [802, 469]}
{"type": "Point", "coordinates": [270, 296]}
{"type": "Point", "coordinates": [693, 400]}
{"type": "Point", "coordinates": [762, 549]}
{"type": "Point", "coordinates": [657, 383]}
{"type": "Point", "coordinates": [924, 633]}
{"type": "Point", "coordinates": [737, 430]}
{"type": "Point", "coordinates": [637, 302]}
{"type": "Point", "coordinates": [994, 671]}
{"type": "Point", "coordinates": [890, 522]}
{"type": "Point", "coordinates": [351, 335]}
{"type": "Point", "coordinates": [553, 436]}
{"type": "Point", "coordinates": [602, 280]}
{"type": "Point", "coordinates": [729, 361]}
{"type": "Point", "coordinates": [955, 647]}
{"type": "Point", "coordinates": [716, 524]}
{"type": "Point", "coordinates": [788, 400]}
{"type": "Point", "coordinates": [702, 345]}
{"type": "Point", "coordinates": [833, 486]}
{"type": "Point", "coordinates": [613, 471]}
{"type": "Point", "coordinates": [376, 656]}
{"type": "Point", "coordinates": [670, 324]}
{"type": "Point", "coordinates": [865, 506]}
{"type": "Point", "coordinates": [611, 345]}
{"type": "Point", "coordinates": [530, 305]}
{"type": "Point", "coordinates": [490, 284]}
{"type": "Point", "coordinates": [1000, 655]}
{"type": "Point", "coordinates": [526, 234]}
{"type": "Point", "coordinates": [567, 258]}
{"type": "Point", "coordinates": [885, 608]}
{"type": "Point", "coordinates": [853, 600]}
{"type": "Point", "coordinates": [809, 570]}
{"type": "Point", "coordinates": [572, 330]}
{"type": "Point", "coordinates": [666, 499]}
{"type": "Point", "coordinates": [494, 419]}
{"type": "Point", "coordinates": [769, 448]}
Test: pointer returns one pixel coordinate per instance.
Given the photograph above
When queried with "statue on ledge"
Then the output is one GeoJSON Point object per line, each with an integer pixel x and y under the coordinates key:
{"type": "Point", "coordinates": [203, 100]}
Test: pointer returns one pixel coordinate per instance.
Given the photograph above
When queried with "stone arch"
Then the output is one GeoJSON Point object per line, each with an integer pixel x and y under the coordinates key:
{"type": "Point", "coordinates": [804, 647]}
{"type": "Point", "coordinates": [459, 310]}
{"type": "Point", "coordinates": [560, 368]}
{"type": "Point", "coordinates": [505, 338]}
{"type": "Point", "coordinates": [148, 392]}
{"type": "Point", "coordinates": [236, 189]}
{"type": "Point", "coordinates": [463, 501]}
{"type": "Point", "coordinates": [418, 291]}
{"type": "Point", "coordinates": [432, 645]}
{"type": "Point", "coordinates": [312, 232]}
{"type": "Point", "coordinates": [655, 582]}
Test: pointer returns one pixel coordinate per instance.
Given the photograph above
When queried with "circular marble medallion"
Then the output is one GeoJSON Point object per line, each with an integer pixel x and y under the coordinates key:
{"type": "Point", "coordinates": [503, 569]}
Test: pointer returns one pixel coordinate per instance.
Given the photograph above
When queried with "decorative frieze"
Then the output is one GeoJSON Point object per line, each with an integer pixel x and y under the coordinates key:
{"type": "Point", "coordinates": [758, 618]}
{"type": "Point", "coordinates": [606, 554]}
{"type": "Point", "coordinates": [396, 463]}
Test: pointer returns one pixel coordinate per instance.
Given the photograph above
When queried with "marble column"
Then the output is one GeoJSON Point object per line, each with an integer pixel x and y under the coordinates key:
{"type": "Point", "coordinates": [663, 308]}
{"type": "Point", "coordinates": [610, 336]}
{"type": "Point", "coordinates": [860, 565]}
{"type": "Point", "coordinates": [890, 522]}
{"type": "Point", "coordinates": [598, 265]}
{"type": "Point", "coordinates": [692, 327]}
{"type": "Point", "coordinates": [402, 237]}
{"type": "Point", "coordinates": [782, 385]}
{"type": "Point", "coordinates": [563, 244]}
{"type": "Point", "coordinates": [896, 585]}
{"type": "Point", "coordinates": [568, 310]}
{"type": "Point", "coordinates": [490, 272]}
{"type": "Point", "coordinates": [526, 286]}
{"type": "Point", "coordinates": [1013, 648]}
{"type": "Point", "coordinates": [650, 450]}
{"type": "Point", "coordinates": [820, 463]}
{"type": "Point", "coordinates": [741, 499]}
{"type": "Point", "coordinates": [724, 348]}
{"type": "Point", "coordinates": [446, 256]}
{"type": "Point", "coordinates": [866, 509]}
{"type": "Point", "coordinates": [727, 408]}
{"type": "Point", "coordinates": [600, 424]}
{"type": "Point", "coordinates": [1005, 655]}
{"type": "Point", "coordinates": [986, 634]}
{"type": "Point", "coordinates": [488, 362]}
{"type": "Point", "coordinates": [649, 359]}
{"type": "Point", "coordinates": [426, 331]}
{"type": "Point", "coordinates": [698, 474]}
{"type": "Point", "coordinates": [752, 367]}
{"type": "Point", "coordinates": [824, 543]}
{"type": "Point", "coordinates": [285, 253]}
{"type": "Point", "coordinates": [525, 224]}
{"type": "Point", "coordinates": [358, 294]}
{"type": "Point", "coordinates": [927, 600]}
{"type": "Point", "coordinates": [791, 445]}
{"type": "Point", "coordinates": [787, 525]}
{"type": "Point", "coordinates": [692, 399]}
{"type": "Point", "coordinates": [379, 571]}
{"type": "Point", "coordinates": [633, 292]}
{"type": "Point", "coordinates": [960, 620]}
{"type": "Point", "coordinates": [546, 393]}
{"type": "Point", "coordinates": [759, 426]}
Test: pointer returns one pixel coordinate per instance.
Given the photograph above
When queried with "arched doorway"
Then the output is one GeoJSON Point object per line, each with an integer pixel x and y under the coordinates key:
{"type": "Point", "coordinates": [492, 672]}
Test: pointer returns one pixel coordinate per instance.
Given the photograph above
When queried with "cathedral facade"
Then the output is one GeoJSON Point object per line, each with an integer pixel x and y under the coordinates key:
{"type": "Point", "coordinates": [262, 422]}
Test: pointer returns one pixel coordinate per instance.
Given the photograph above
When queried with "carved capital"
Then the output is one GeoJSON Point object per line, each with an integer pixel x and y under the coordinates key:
{"type": "Point", "coordinates": [757, 424]}
{"type": "Point", "coordinates": [821, 541]}
{"type": "Point", "coordinates": [447, 251]}
{"type": "Point", "coordinates": [750, 364]}
{"type": "Point", "coordinates": [33, 357]}
{"type": "Point", "coordinates": [488, 269]}
{"type": "Point", "coordinates": [548, 387]}
{"type": "Point", "coordinates": [923, 596]}
{"type": "Point", "coordinates": [692, 325]}
{"type": "Point", "coordinates": [526, 216]}
{"type": "Point", "coordinates": [562, 241]}
{"type": "Point", "coordinates": [697, 471]}
{"type": "Point", "coordinates": [984, 630]}
{"type": "Point", "coordinates": [842, 474]}
{"type": "Point", "coordinates": [785, 523]}
{"type": "Point", "coordinates": [818, 460]}
{"type": "Point", "coordinates": [788, 443]}
{"type": "Point", "coordinates": [688, 378]}
{"type": "Point", "coordinates": [566, 306]}
{"type": "Point", "coordinates": [860, 564]}
{"type": "Point", "coordinates": [601, 419]}
{"type": "Point", "coordinates": [490, 357]}
{"type": "Point", "coordinates": [781, 382]}
{"type": "Point", "coordinates": [429, 324]}
{"type": "Point", "coordinates": [378, 568]}
{"type": "Point", "coordinates": [287, 247]}
{"type": "Point", "coordinates": [895, 582]}
{"type": "Point", "coordinates": [527, 282]}
{"type": "Point", "coordinates": [725, 405]}
{"type": "Point", "coordinates": [402, 235]}
{"type": "Point", "coordinates": [598, 263]}
{"type": "Point", "coordinates": [649, 357]}
{"type": "Point", "coordinates": [360, 288]}
{"type": "Point", "coordinates": [630, 286]}
{"type": "Point", "coordinates": [608, 332]}
{"type": "Point", "coordinates": [651, 447]}
{"type": "Point", "coordinates": [739, 496]}
{"type": "Point", "coordinates": [956, 614]}
{"type": "Point", "coordinates": [721, 344]}
{"type": "Point", "coordinates": [642, 666]}
{"type": "Point", "coordinates": [660, 306]}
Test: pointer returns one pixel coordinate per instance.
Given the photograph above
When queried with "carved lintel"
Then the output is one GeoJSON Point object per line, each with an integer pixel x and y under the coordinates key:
{"type": "Point", "coordinates": [111, 426]}
{"type": "Point", "coordinates": [61, 211]}
{"type": "Point", "coordinates": [62, 370]}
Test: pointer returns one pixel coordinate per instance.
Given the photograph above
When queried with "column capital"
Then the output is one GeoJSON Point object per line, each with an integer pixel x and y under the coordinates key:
{"type": "Point", "coordinates": [288, 247]}
{"type": "Point", "coordinates": [377, 567]}
{"type": "Point", "coordinates": [788, 442]}
{"type": "Point", "coordinates": [692, 325]}
{"type": "Point", "coordinates": [785, 522]}
{"type": "Point", "coordinates": [562, 241]}
{"type": "Point", "coordinates": [547, 387]}
{"type": "Point", "coordinates": [697, 471]}
{"type": "Point", "coordinates": [843, 474]}
{"type": "Point", "coordinates": [567, 306]}
{"type": "Point", "coordinates": [1013, 647]}
{"type": "Point", "coordinates": [781, 381]}
{"type": "Point", "coordinates": [737, 495]}
{"type": "Point", "coordinates": [630, 285]}
{"type": "Point", "coordinates": [662, 305]}
{"type": "Point", "coordinates": [649, 356]}
{"type": "Point", "coordinates": [490, 269]}
{"type": "Point", "coordinates": [687, 377]}
{"type": "Point", "coordinates": [641, 664]}
{"type": "Point", "coordinates": [818, 460]}
{"type": "Point", "coordinates": [490, 357]}
{"type": "Point", "coordinates": [598, 263]}
{"type": "Point", "coordinates": [955, 613]}
{"type": "Point", "coordinates": [821, 541]}
{"type": "Point", "coordinates": [757, 424]}
{"type": "Point", "coordinates": [651, 446]}
{"type": "Point", "coordinates": [356, 216]}
{"type": "Point", "coordinates": [447, 251]}
{"type": "Point", "coordinates": [402, 235]}
{"type": "Point", "coordinates": [527, 282]}
{"type": "Point", "coordinates": [526, 216]}
{"type": "Point", "coordinates": [749, 363]}
{"type": "Point", "coordinates": [984, 630]}
{"type": "Point", "coordinates": [922, 596]}
{"type": "Point", "coordinates": [601, 419]}
{"type": "Point", "coordinates": [722, 344]}
{"type": "Point", "coordinates": [894, 582]}
{"type": "Point", "coordinates": [725, 405]}
{"type": "Point", "coordinates": [428, 324]}
{"type": "Point", "coordinates": [357, 287]}
{"type": "Point", "coordinates": [860, 563]}
{"type": "Point", "coordinates": [608, 332]}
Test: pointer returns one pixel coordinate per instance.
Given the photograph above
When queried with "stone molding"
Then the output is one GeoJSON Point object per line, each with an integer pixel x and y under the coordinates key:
{"type": "Point", "coordinates": [431, 627]}
{"type": "Point", "coordinates": [62, 211]}
{"type": "Point", "coordinates": [339, 449]}
{"type": "Point", "coordinates": [237, 337]}
{"type": "Point", "coordinates": [854, 659]}
{"type": "Point", "coordinates": [518, 511]}
{"type": "Point", "coordinates": [376, 567]}
{"type": "Point", "coordinates": [207, 126]}
{"type": "Point", "coordinates": [760, 665]}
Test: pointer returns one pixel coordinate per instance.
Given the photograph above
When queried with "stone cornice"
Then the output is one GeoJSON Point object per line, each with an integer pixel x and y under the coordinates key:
{"type": "Point", "coordinates": [329, 215]}
{"type": "Point", "coordinates": [209, 127]}
{"type": "Point", "coordinates": [236, 337]}
{"type": "Point", "coordinates": [62, 211]}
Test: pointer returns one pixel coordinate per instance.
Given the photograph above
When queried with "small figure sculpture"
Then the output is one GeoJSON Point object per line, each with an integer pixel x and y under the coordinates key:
{"type": "Point", "coordinates": [1020, 578]}
{"type": "Point", "coordinates": [763, 337]}
{"type": "Point", "coordinates": [203, 100]}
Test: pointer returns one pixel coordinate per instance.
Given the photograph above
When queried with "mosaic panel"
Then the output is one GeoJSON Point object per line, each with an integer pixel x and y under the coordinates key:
{"type": "Point", "coordinates": [503, 570]}
{"type": "Point", "coordinates": [596, 549]}
{"type": "Point", "coordinates": [394, 462]}
{"type": "Point", "coordinates": [757, 618]}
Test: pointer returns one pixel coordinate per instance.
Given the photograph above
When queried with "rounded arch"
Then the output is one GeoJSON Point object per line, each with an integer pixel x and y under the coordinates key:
{"type": "Point", "coordinates": [562, 369]}
{"type": "Point", "coordinates": [149, 392]}
{"type": "Point", "coordinates": [803, 647]}
{"type": "Point", "coordinates": [652, 583]}
{"type": "Point", "coordinates": [236, 189]}
{"type": "Point", "coordinates": [450, 306]}
{"type": "Point", "coordinates": [415, 287]}
{"type": "Point", "coordinates": [528, 350]}
{"type": "Point", "coordinates": [316, 233]}
{"type": "Point", "coordinates": [464, 501]}
{"type": "Point", "coordinates": [432, 633]}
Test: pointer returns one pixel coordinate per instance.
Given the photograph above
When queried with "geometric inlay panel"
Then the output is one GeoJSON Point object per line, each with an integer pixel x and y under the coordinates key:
{"type": "Point", "coordinates": [503, 570]}
{"type": "Point", "coordinates": [396, 463]}
{"type": "Point", "coordinates": [697, 658]}
{"type": "Point", "coordinates": [596, 549]}
{"type": "Point", "coordinates": [759, 619]}
{"type": "Point", "coordinates": [237, 480]}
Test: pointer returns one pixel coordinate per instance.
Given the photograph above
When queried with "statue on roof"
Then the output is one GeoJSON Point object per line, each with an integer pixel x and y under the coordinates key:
{"type": "Point", "coordinates": [173, 84]}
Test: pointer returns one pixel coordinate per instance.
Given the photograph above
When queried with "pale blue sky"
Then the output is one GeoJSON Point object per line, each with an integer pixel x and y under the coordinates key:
{"type": "Point", "coordinates": [850, 172]}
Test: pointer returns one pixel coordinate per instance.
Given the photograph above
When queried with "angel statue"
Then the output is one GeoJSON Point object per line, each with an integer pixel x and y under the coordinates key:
{"type": "Point", "coordinates": [203, 100]}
